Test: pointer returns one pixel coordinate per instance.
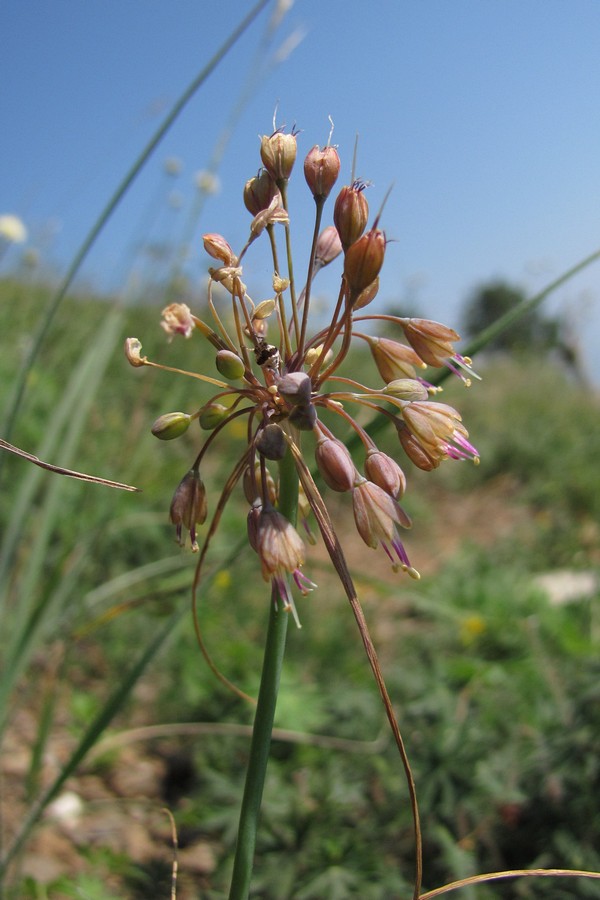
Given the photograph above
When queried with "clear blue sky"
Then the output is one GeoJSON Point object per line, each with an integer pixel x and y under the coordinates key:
{"type": "Point", "coordinates": [483, 114]}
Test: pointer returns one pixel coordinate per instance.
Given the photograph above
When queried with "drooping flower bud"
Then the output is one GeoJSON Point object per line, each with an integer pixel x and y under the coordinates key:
{"type": "Point", "coordinates": [321, 169]}
{"type": "Point", "coordinates": [385, 473]}
{"type": "Point", "coordinates": [393, 359]}
{"type": "Point", "coordinates": [367, 295]}
{"type": "Point", "coordinates": [212, 415]}
{"type": "Point", "coordinates": [188, 506]}
{"type": "Point", "coordinates": [335, 464]}
{"type": "Point", "coordinates": [271, 442]}
{"type": "Point", "coordinates": [415, 451]}
{"type": "Point", "coordinates": [259, 192]}
{"type": "Point", "coordinates": [377, 516]}
{"type": "Point", "coordinates": [328, 246]}
{"type": "Point", "coordinates": [171, 426]}
{"type": "Point", "coordinates": [230, 365]}
{"type": "Point", "coordinates": [253, 486]}
{"type": "Point", "coordinates": [278, 154]}
{"type": "Point", "coordinates": [295, 388]}
{"type": "Point", "coordinates": [217, 247]}
{"type": "Point", "coordinates": [431, 340]}
{"type": "Point", "coordinates": [351, 213]}
{"type": "Point", "coordinates": [363, 262]}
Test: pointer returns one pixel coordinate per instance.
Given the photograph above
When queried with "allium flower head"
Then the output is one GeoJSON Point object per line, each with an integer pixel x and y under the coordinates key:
{"type": "Point", "coordinates": [274, 381]}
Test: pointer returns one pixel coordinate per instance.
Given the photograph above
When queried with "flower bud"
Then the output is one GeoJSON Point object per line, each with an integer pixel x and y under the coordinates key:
{"type": "Point", "coordinates": [304, 417]}
{"type": "Point", "coordinates": [431, 340]}
{"type": "Point", "coordinates": [363, 262]}
{"type": "Point", "coordinates": [321, 169]}
{"type": "Point", "coordinates": [217, 247]}
{"type": "Point", "coordinates": [385, 472]}
{"type": "Point", "coordinates": [328, 246]}
{"type": "Point", "coordinates": [367, 295]}
{"type": "Point", "coordinates": [133, 352]}
{"type": "Point", "coordinates": [393, 359]}
{"type": "Point", "coordinates": [271, 442]}
{"type": "Point", "coordinates": [171, 426]}
{"type": "Point", "coordinates": [212, 415]}
{"type": "Point", "coordinates": [188, 506]}
{"type": "Point", "coordinates": [415, 450]}
{"type": "Point", "coordinates": [351, 213]}
{"type": "Point", "coordinates": [259, 192]}
{"type": "Point", "coordinates": [278, 154]}
{"type": "Point", "coordinates": [230, 365]}
{"type": "Point", "coordinates": [335, 464]}
{"type": "Point", "coordinates": [406, 389]}
{"type": "Point", "coordinates": [295, 388]}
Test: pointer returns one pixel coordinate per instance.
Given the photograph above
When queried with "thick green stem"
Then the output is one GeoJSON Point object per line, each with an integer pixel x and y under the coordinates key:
{"type": "Point", "coordinates": [265, 709]}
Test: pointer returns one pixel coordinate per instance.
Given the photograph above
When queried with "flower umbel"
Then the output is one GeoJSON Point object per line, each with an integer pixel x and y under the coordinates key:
{"type": "Point", "coordinates": [280, 386]}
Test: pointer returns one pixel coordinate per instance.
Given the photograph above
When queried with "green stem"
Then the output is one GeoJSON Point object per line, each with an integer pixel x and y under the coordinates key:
{"type": "Point", "coordinates": [265, 709]}
{"type": "Point", "coordinates": [21, 378]}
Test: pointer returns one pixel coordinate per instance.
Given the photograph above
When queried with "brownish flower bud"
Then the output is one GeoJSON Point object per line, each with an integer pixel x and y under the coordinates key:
{"type": "Point", "coordinates": [217, 247]}
{"type": "Point", "coordinates": [271, 442]}
{"type": "Point", "coordinates": [321, 169]}
{"type": "Point", "coordinates": [394, 360]}
{"type": "Point", "coordinates": [171, 426]}
{"type": "Point", "coordinates": [415, 450]}
{"type": "Point", "coordinates": [188, 506]}
{"type": "Point", "coordinates": [328, 246]}
{"type": "Point", "coordinates": [363, 262]}
{"type": "Point", "coordinates": [385, 473]}
{"type": "Point", "coordinates": [366, 296]}
{"type": "Point", "coordinates": [230, 365]}
{"type": "Point", "coordinates": [278, 154]}
{"type": "Point", "coordinates": [431, 340]}
{"type": "Point", "coordinates": [335, 464]}
{"type": "Point", "coordinates": [295, 388]}
{"type": "Point", "coordinates": [259, 192]}
{"type": "Point", "coordinates": [351, 213]}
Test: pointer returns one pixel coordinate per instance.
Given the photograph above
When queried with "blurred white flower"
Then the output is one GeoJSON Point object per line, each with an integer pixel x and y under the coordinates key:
{"type": "Point", "coordinates": [12, 229]}
{"type": "Point", "coordinates": [207, 182]}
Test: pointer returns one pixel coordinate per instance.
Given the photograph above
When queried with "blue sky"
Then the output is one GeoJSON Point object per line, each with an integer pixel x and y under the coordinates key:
{"type": "Point", "coordinates": [483, 114]}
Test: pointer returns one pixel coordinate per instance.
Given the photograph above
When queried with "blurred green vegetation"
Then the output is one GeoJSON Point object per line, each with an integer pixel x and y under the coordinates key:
{"type": "Point", "coordinates": [495, 688]}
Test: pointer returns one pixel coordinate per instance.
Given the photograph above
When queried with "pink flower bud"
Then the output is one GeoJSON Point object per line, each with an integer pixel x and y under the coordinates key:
{"type": "Point", "coordinates": [335, 464]}
{"type": "Point", "coordinates": [385, 473]}
{"type": "Point", "coordinates": [217, 247]}
{"type": "Point", "coordinates": [351, 213]}
{"type": "Point", "coordinates": [278, 154]}
{"type": "Point", "coordinates": [321, 169]}
{"type": "Point", "coordinates": [259, 192]}
{"type": "Point", "coordinates": [328, 247]}
{"type": "Point", "coordinates": [363, 262]}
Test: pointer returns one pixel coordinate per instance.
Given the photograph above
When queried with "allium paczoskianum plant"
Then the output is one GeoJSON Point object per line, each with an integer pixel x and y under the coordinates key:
{"type": "Point", "coordinates": [280, 374]}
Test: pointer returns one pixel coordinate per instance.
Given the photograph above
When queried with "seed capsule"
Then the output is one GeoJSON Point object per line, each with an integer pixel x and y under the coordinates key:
{"type": "Point", "coordinates": [171, 426]}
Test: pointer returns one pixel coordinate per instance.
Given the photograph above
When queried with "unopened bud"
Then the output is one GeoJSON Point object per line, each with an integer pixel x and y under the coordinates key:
{"type": "Point", "coordinates": [328, 246]}
{"type": "Point", "coordinates": [296, 388]}
{"type": "Point", "coordinates": [335, 464]}
{"type": "Point", "coordinates": [366, 296]}
{"type": "Point", "coordinates": [314, 354]}
{"type": "Point", "coordinates": [415, 450]}
{"type": "Point", "coordinates": [363, 262]}
{"type": "Point", "coordinates": [385, 472]}
{"type": "Point", "coordinates": [171, 426]}
{"type": "Point", "coordinates": [271, 442]}
{"type": "Point", "coordinates": [259, 192]}
{"type": "Point", "coordinates": [212, 415]}
{"type": "Point", "coordinates": [188, 506]}
{"type": "Point", "coordinates": [278, 154]}
{"type": "Point", "coordinates": [406, 389]}
{"type": "Point", "coordinates": [321, 169]}
{"type": "Point", "coordinates": [351, 213]}
{"type": "Point", "coordinates": [217, 247]}
{"type": "Point", "coordinates": [393, 359]}
{"type": "Point", "coordinates": [230, 365]}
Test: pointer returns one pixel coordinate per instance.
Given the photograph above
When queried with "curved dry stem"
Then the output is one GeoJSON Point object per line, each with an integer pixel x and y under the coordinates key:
{"type": "Point", "coordinates": [511, 873]}
{"type": "Point", "coordinates": [337, 557]}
